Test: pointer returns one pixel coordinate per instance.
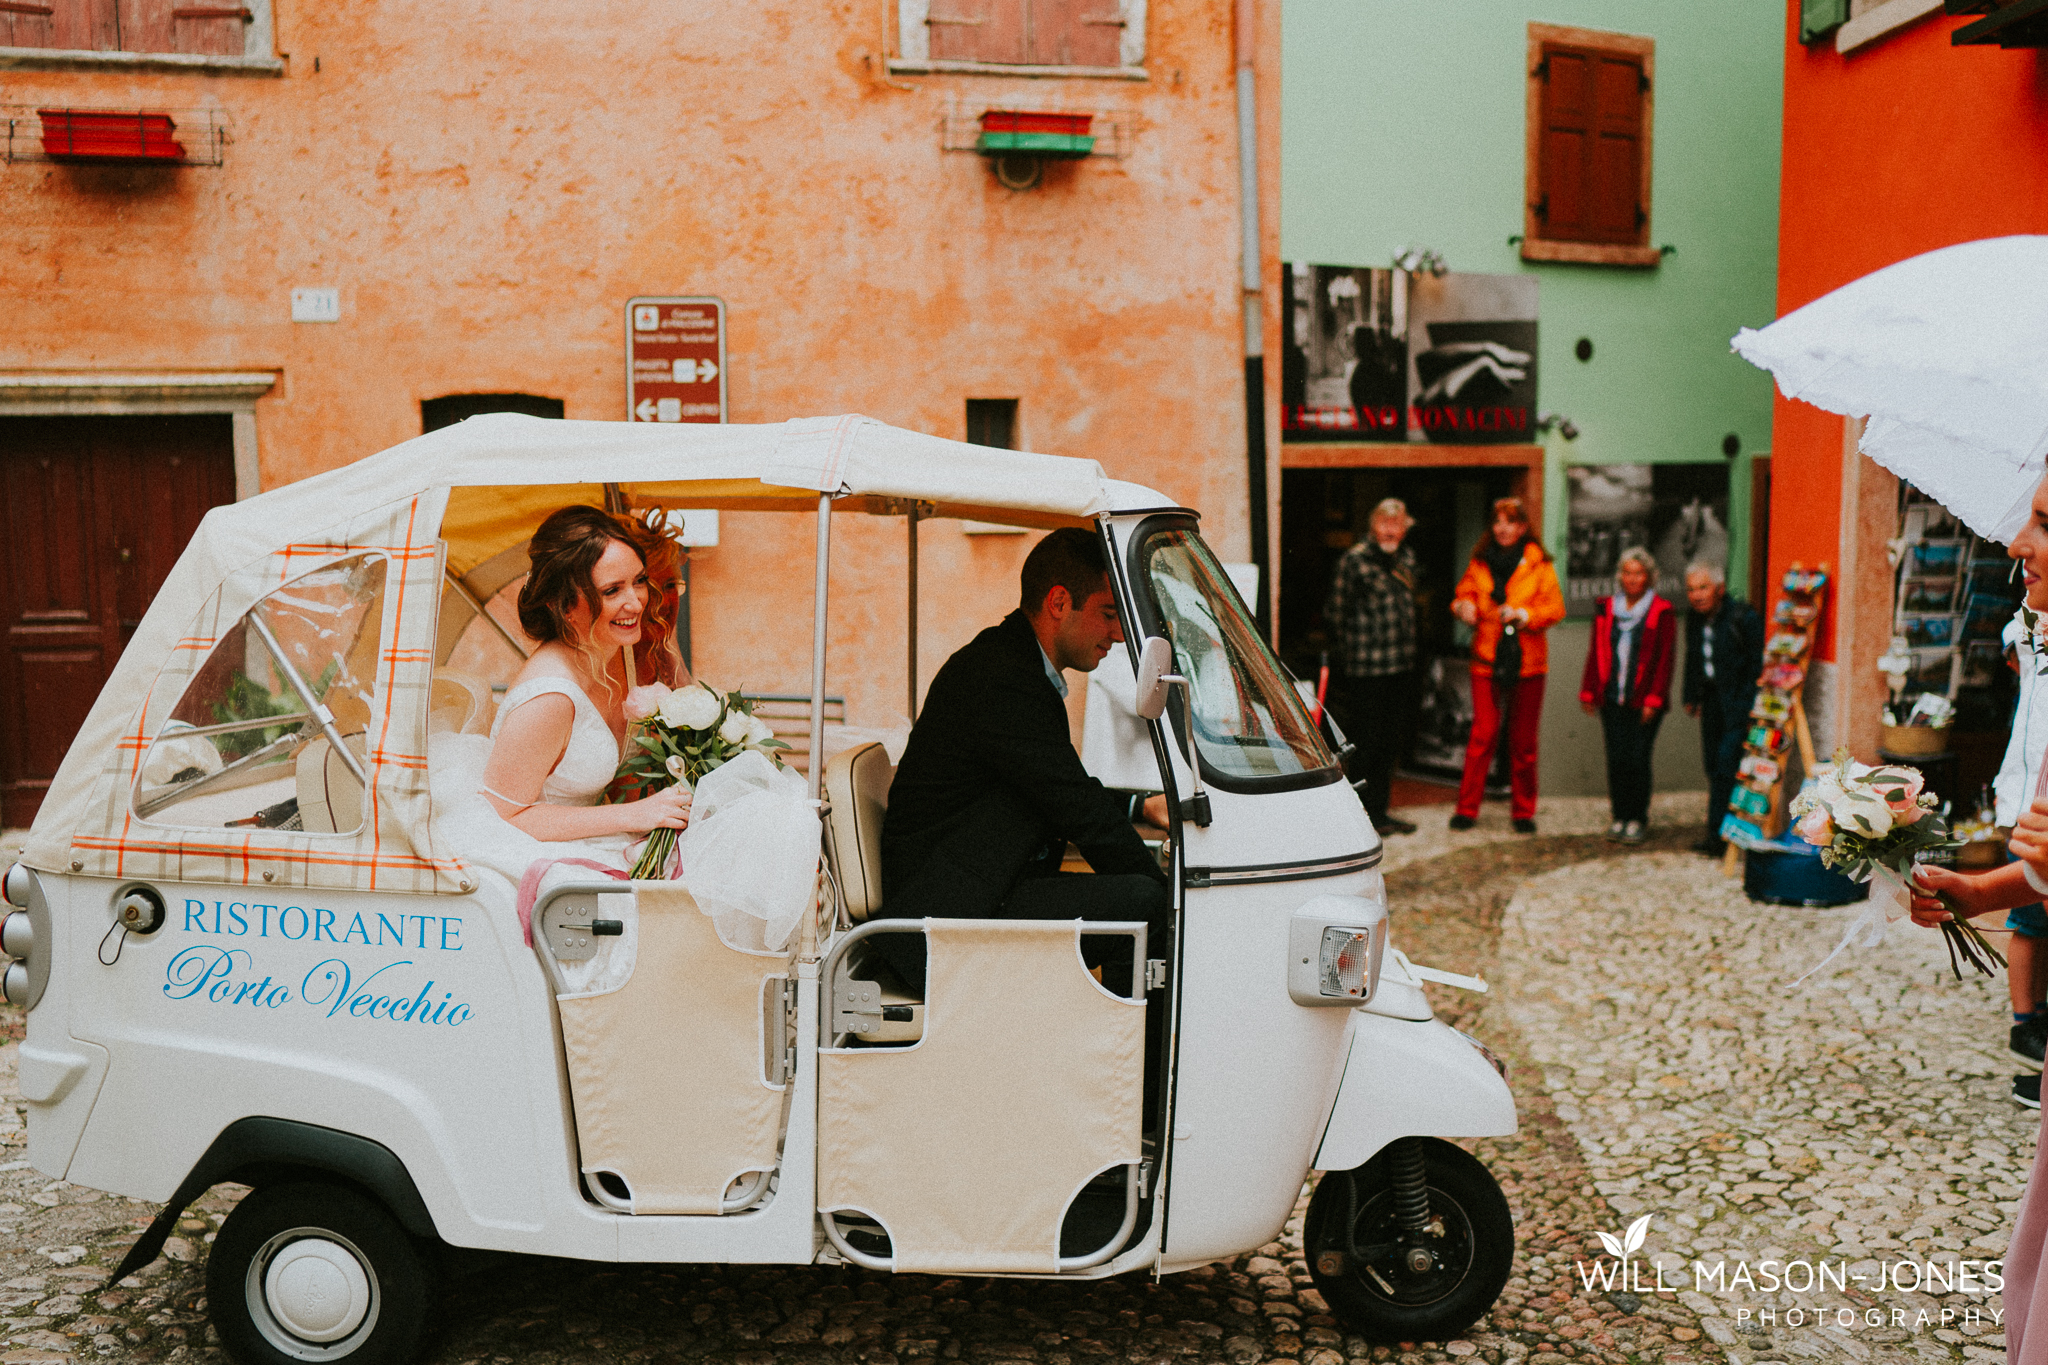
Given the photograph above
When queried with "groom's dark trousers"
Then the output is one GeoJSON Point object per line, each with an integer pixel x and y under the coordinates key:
{"type": "Point", "coordinates": [989, 794]}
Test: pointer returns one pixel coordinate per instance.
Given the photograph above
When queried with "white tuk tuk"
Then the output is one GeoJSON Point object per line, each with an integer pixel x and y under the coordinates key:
{"type": "Point", "coordinates": [250, 950]}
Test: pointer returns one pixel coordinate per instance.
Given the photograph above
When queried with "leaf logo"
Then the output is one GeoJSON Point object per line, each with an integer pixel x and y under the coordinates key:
{"type": "Point", "coordinates": [1629, 1241]}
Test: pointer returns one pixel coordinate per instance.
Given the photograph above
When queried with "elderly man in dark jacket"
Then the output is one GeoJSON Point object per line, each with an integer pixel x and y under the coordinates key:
{"type": "Point", "coordinates": [1371, 617]}
{"type": "Point", "coordinates": [1724, 654]}
{"type": "Point", "coordinates": [990, 790]}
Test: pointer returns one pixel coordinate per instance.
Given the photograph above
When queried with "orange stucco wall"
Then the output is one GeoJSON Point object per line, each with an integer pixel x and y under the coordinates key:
{"type": "Point", "coordinates": [1893, 150]}
{"type": "Point", "coordinates": [487, 195]}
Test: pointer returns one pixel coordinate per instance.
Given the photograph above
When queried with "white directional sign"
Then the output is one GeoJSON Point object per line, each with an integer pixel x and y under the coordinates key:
{"type": "Point", "coordinates": [675, 360]}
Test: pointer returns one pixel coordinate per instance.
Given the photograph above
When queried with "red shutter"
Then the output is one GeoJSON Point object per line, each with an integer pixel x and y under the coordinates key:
{"type": "Point", "coordinates": [1592, 112]}
{"type": "Point", "coordinates": [1075, 33]}
{"type": "Point", "coordinates": [976, 30]}
{"type": "Point", "coordinates": [213, 28]}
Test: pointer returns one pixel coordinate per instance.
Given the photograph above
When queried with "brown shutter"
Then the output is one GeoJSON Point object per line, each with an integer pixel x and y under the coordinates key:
{"type": "Point", "coordinates": [1616, 181]}
{"type": "Point", "coordinates": [1592, 123]}
{"type": "Point", "coordinates": [976, 30]}
{"type": "Point", "coordinates": [70, 25]}
{"type": "Point", "coordinates": [1074, 33]}
{"type": "Point", "coordinates": [213, 28]}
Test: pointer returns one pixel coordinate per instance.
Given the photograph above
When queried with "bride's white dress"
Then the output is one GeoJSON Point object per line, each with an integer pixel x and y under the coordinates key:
{"type": "Point", "coordinates": [496, 850]}
{"type": "Point", "coordinates": [750, 854]}
{"type": "Point", "coordinates": [592, 758]}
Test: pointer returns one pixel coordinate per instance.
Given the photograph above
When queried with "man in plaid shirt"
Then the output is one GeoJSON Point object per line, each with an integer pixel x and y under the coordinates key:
{"type": "Point", "coordinates": [1371, 617]}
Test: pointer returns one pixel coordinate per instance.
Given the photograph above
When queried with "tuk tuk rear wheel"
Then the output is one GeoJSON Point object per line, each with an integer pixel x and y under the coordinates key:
{"type": "Point", "coordinates": [1389, 1284]}
{"type": "Point", "coordinates": [307, 1272]}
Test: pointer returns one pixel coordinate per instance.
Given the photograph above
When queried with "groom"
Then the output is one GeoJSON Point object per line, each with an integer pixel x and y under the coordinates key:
{"type": "Point", "coordinates": [990, 790]}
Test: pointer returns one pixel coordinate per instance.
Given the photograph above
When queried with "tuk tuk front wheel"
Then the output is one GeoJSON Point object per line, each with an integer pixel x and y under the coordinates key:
{"type": "Point", "coordinates": [306, 1273]}
{"type": "Point", "coordinates": [1394, 1270]}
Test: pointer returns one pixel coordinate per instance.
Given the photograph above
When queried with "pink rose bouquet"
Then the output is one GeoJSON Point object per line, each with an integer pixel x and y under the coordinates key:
{"type": "Point", "coordinates": [1876, 823]}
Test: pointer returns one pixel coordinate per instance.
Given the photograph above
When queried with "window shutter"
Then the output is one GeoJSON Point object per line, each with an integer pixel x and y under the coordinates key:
{"type": "Point", "coordinates": [68, 25]}
{"type": "Point", "coordinates": [1075, 32]}
{"type": "Point", "coordinates": [203, 27]}
{"type": "Point", "coordinates": [1591, 151]}
{"type": "Point", "coordinates": [25, 23]}
{"type": "Point", "coordinates": [976, 30]}
{"type": "Point", "coordinates": [1819, 18]}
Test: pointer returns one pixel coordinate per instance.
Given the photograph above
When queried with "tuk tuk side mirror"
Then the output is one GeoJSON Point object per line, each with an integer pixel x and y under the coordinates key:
{"type": "Point", "coordinates": [1155, 662]}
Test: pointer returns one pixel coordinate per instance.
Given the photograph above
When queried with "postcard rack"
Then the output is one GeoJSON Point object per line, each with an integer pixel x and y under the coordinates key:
{"type": "Point", "coordinates": [1953, 594]}
{"type": "Point", "coordinates": [1756, 805]}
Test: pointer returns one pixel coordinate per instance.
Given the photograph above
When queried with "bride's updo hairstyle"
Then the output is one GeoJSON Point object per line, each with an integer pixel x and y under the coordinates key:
{"type": "Point", "coordinates": [564, 554]}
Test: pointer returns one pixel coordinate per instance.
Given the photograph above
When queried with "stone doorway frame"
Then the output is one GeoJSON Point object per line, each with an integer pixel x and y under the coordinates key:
{"type": "Point", "coordinates": [86, 393]}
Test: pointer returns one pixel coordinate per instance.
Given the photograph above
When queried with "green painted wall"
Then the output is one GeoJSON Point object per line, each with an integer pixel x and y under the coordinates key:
{"type": "Point", "coordinates": [1402, 125]}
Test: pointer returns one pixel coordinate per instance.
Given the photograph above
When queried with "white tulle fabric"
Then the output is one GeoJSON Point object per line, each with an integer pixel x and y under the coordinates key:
{"type": "Point", "coordinates": [1942, 353]}
{"type": "Point", "coordinates": [750, 855]}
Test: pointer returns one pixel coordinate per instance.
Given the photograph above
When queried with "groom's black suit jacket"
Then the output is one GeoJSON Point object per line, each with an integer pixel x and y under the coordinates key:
{"type": "Point", "coordinates": [990, 789]}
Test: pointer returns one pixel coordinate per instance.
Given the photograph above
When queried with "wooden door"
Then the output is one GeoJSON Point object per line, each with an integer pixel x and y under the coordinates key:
{"type": "Point", "coordinates": [97, 510]}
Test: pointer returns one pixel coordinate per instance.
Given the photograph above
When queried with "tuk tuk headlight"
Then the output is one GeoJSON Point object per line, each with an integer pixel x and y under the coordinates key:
{"type": "Point", "coordinates": [25, 939]}
{"type": "Point", "coordinates": [1334, 948]}
{"type": "Point", "coordinates": [1345, 956]}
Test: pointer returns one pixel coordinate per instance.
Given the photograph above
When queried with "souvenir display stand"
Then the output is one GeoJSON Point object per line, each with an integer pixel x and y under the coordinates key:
{"type": "Point", "coordinates": [1756, 806]}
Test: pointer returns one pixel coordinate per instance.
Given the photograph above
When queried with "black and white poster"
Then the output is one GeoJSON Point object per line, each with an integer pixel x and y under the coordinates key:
{"type": "Point", "coordinates": [1678, 512]}
{"type": "Point", "coordinates": [1386, 355]}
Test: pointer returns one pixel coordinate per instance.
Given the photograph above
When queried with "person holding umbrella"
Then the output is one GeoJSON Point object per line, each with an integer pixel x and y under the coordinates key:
{"type": "Point", "coordinates": [1511, 598]}
{"type": "Point", "coordinates": [1942, 355]}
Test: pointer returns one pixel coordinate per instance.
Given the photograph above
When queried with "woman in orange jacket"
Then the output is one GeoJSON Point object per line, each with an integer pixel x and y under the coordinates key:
{"type": "Point", "coordinates": [1510, 597]}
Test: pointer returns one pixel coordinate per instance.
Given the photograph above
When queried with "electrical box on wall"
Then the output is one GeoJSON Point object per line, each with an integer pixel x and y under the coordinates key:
{"type": "Point", "coordinates": [316, 305]}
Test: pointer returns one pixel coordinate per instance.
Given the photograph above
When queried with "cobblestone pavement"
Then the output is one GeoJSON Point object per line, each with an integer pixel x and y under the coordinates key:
{"type": "Point", "coordinates": [1861, 1122]}
{"type": "Point", "coordinates": [1597, 952]}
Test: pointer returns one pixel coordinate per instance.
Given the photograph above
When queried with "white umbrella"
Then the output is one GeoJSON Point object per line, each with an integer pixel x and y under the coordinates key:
{"type": "Point", "coordinates": [1947, 355]}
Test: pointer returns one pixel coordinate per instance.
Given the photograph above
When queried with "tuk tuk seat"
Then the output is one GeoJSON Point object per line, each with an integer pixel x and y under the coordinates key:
{"type": "Point", "coordinates": [857, 786]}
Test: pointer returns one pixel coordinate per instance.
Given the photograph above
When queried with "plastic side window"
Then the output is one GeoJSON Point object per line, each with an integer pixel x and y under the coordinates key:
{"type": "Point", "coordinates": [250, 742]}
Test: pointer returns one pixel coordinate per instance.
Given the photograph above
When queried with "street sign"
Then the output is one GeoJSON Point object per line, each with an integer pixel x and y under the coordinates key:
{"type": "Point", "coordinates": [675, 360]}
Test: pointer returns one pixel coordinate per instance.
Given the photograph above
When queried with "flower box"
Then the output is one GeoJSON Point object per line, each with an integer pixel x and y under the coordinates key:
{"type": "Point", "coordinates": [109, 135]}
{"type": "Point", "coordinates": [1012, 132]}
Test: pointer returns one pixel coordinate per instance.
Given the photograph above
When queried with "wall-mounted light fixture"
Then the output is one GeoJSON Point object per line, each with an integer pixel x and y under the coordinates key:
{"type": "Point", "coordinates": [1418, 260]}
{"type": "Point", "coordinates": [1557, 421]}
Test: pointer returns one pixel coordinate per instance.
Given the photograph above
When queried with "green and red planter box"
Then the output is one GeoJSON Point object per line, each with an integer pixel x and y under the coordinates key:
{"type": "Point", "coordinates": [1010, 132]}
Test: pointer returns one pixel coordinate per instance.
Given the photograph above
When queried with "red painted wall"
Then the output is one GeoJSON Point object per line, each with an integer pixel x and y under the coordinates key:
{"type": "Point", "coordinates": [1893, 150]}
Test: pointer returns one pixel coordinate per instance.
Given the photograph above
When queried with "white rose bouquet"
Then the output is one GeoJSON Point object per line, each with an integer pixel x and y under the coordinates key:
{"type": "Point", "coordinates": [1874, 823]}
{"type": "Point", "coordinates": [679, 735]}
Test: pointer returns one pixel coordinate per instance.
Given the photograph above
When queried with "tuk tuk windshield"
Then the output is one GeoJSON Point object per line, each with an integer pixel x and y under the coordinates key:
{"type": "Point", "coordinates": [1249, 721]}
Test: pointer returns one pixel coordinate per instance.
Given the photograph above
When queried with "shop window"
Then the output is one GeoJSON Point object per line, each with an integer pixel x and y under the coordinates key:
{"type": "Point", "coordinates": [233, 30]}
{"type": "Point", "coordinates": [992, 422]}
{"type": "Point", "coordinates": [243, 748]}
{"type": "Point", "coordinates": [1588, 155]}
{"type": "Point", "coordinates": [1104, 36]}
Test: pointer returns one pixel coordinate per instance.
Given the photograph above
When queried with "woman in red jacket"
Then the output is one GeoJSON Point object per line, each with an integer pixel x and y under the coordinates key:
{"type": "Point", "coordinates": [1628, 685]}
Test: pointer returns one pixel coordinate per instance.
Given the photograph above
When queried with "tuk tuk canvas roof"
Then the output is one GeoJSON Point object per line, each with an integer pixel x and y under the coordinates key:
{"type": "Point", "coordinates": [394, 501]}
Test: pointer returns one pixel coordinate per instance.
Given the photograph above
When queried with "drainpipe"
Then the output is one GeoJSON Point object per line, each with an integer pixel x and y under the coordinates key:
{"type": "Point", "coordinates": [1254, 305]}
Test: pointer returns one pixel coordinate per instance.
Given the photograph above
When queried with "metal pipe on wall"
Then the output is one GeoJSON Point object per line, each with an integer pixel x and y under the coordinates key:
{"type": "Point", "coordinates": [1254, 308]}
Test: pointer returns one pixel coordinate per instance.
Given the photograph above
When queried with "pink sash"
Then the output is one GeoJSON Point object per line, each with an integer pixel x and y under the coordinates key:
{"type": "Point", "coordinates": [529, 886]}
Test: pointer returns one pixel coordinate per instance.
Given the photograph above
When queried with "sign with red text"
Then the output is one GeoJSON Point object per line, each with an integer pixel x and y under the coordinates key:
{"type": "Point", "coordinates": [675, 360]}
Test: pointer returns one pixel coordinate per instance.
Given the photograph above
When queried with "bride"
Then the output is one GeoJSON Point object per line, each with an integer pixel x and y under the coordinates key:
{"type": "Point", "coordinates": [599, 586]}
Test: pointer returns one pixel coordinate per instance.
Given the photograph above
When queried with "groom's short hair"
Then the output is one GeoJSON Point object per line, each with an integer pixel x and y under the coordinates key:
{"type": "Point", "coordinates": [1069, 558]}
